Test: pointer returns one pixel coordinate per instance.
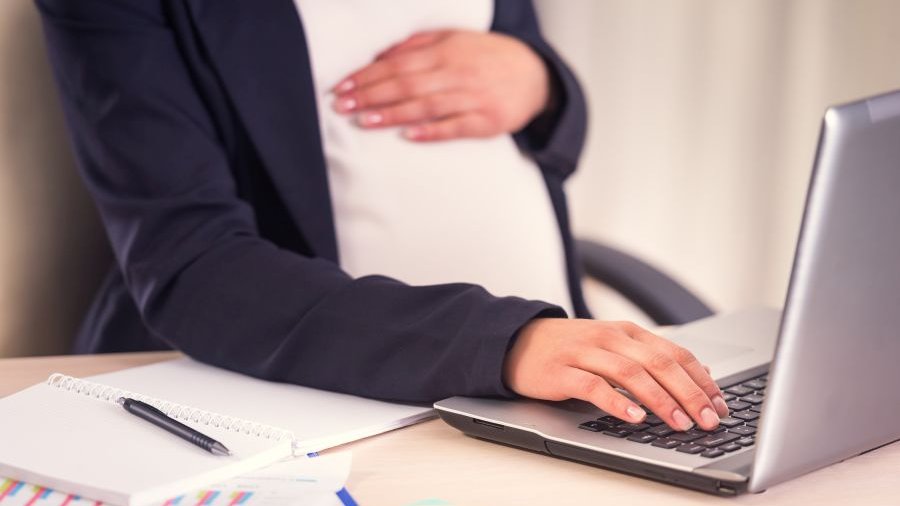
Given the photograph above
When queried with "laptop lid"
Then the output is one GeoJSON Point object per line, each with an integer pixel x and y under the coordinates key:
{"type": "Point", "coordinates": [833, 384]}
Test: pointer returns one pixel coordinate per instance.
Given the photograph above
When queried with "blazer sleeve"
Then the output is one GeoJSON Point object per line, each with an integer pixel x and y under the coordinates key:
{"type": "Point", "coordinates": [192, 257]}
{"type": "Point", "coordinates": [555, 138]}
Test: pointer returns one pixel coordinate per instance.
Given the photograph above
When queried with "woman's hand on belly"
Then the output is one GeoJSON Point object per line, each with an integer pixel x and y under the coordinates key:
{"type": "Point", "coordinates": [557, 359]}
{"type": "Point", "coordinates": [448, 84]}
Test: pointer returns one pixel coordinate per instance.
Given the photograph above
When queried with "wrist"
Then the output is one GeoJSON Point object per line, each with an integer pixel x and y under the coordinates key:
{"type": "Point", "coordinates": [512, 363]}
{"type": "Point", "coordinates": [538, 129]}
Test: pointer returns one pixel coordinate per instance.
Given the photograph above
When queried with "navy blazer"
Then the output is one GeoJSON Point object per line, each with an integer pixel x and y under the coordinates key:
{"type": "Point", "coordinates": [195, 129]}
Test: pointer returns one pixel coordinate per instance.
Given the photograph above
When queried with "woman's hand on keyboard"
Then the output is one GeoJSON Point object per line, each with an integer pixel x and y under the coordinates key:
{"type": "Point", "coordinates": [557, 359]}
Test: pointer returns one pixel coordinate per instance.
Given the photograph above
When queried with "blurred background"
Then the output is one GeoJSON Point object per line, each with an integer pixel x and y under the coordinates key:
{"type": "Point", "coordinates": [704, 121]}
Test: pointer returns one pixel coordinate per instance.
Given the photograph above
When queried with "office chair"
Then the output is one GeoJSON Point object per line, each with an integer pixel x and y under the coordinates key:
{"type": "Point", "coordinates": [655, 293]}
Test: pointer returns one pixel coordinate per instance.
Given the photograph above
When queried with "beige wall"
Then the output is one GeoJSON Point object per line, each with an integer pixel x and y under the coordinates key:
{"type": "Point", "coordinates": [51, 248]}
{"type": "Point", "coordinates": [705, 116]}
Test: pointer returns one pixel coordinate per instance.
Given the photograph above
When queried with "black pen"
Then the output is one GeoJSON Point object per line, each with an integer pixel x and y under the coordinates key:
{"type": "Point", "coordinates": [163, 421]}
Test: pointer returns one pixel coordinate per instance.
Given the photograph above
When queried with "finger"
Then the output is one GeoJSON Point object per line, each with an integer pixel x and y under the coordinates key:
{"type": "Point", "coordinates": [632, 375]}
{"type": "Point", "coordinates": [395, 90]}
{"type": "Point", "coordinates": [669, 373]}
{"type": "Point", "coordinates": [414, 41]}
{"type": "Point", "coordinates": [409, 62]}
{"type": "Point", "coordinates": [697, 371]}
{"type": "Point", "coordinates": [428, 108]}
{"type": "Point", "coordinates": [580, 384]}
{"type": "Point", "coordinates": [471, 124]}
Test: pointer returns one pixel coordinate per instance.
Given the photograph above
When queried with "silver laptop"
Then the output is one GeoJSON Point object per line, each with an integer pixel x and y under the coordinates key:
{"type": "Point", "coordinates": [831, 390]}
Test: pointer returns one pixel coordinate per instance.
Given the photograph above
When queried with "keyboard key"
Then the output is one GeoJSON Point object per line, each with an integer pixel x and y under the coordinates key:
{"type": "Point", "coordinates": [690, 448]}
{"type": "Point", "coordinates": [661, 430]}
{"type": "Point", "coordinates": [758, 408]}
{"type": "Point", "coordinates": [617, 432]}
{"type": "Point", "coordinates": [687, 437]}
{"type": "Point", "coordinates": [728, 397]}
{"type": "Point", "coordinates": [641, 437]}
{"type": "Point", "coordinates": [653, 420]}
{"type": "Point", "coordinates": [720, 428]}
{"type": "Point", "coordinates": [753, 423]}
{"type": "Point", "coordinates": [666, 443]}
{"type": "Point", "coordinates": [594, 426]}
{"type": "Point", "coordinates": [738, 405]}
{"type": "Point", "coordinates": [730, 447]}
{"type": "Point", "coordinates": [746, 415]}
{"type": "Point", "coordinates": [753, 399]}
{"type": "Point", "coordinates": [611, 420]}
{"type": "Point", "coordinates": [743, 430]}
{"type": "Point", "coordinates": [746, 441]}
{"type": "Point", "coordinates": [712, 453]}
{"type": "Point", "coordinates": [730, 422]}
{"type": "Point", "coordinates": [717, 439]}
{"type": "Point", "coordinates": [739, 390]}
{"type": "Point", "coordinates": [633, 427]}
{"type": "Point", "coordinates": [756, 384]}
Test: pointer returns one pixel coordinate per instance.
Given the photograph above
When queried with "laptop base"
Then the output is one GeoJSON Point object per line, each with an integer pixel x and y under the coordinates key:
{"type": "Point", "coordinates": [532, 441]}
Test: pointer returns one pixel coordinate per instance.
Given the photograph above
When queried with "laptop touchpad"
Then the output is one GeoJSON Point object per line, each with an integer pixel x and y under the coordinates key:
{"type": "Point", "coordinates": [709, 352]}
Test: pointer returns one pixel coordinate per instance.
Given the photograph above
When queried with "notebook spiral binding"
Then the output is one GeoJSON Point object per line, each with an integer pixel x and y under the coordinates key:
{"type": "Point", "coordinates": [171, 409]}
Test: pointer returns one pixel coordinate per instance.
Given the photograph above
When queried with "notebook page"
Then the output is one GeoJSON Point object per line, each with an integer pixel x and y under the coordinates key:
{"type": "Point", "coordinates": [68, 441]}
{"type": "Point", "coordinates": [319, 419]}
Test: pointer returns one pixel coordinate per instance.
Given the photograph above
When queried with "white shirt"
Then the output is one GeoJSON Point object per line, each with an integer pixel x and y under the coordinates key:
{"type": "Point", "coordinates": [474, 211]}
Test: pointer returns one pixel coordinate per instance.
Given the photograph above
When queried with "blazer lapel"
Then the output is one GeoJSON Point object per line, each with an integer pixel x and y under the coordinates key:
{"type": "Point", "coordinates": [259, 51]}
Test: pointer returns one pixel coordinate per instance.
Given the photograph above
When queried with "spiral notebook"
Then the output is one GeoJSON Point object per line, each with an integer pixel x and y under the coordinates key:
{"type": "Point", "coordinates": [70, 435]}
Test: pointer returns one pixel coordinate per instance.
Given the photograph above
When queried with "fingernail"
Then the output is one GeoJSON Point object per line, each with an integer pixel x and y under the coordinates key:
{"type": "Point", "coordinates": [682, 421]}
{"type": "Point", "coordinates": [345, 104]}
{"type": "Point", "coordinates": [709, 417]}
{"type": "Point", "coordinates": [636, 414]}
{"type": "Point", "coordinates": [344, 86]}
{"type": "Point", "coordinates": [370, 119]}
{"type": "Point", "coordinates": [414, 132]}
{"type": "Point", "coordinates": [721, 407]}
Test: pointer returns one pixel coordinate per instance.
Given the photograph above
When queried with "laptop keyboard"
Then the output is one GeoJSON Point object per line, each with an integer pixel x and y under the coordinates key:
{"type": "Point", "coordinates": [734, 432]}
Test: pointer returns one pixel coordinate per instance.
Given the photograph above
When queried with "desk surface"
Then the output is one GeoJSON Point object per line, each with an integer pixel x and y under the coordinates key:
{"type": "Point", "coordinates": [432, 461]}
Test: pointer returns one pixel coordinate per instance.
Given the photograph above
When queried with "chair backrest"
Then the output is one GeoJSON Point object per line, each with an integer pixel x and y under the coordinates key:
{"type": "Point", "coordinates": [52, 248]}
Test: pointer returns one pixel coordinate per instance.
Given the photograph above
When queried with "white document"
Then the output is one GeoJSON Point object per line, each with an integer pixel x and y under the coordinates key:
{"type": "Point", "coordinates": [318, 419]}
{"type": "Point", "coordinates": [303, 481]}
{"type": "Point", "coordinates": [68, 434]}
{"type": "Point", "coordinates": [74, 442]}
{"type": "Point", "coordinates": [306, 481]}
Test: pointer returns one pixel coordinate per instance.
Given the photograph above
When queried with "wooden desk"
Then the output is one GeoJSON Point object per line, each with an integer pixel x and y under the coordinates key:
{"type": "Point", "coordinates": [433, 461]}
